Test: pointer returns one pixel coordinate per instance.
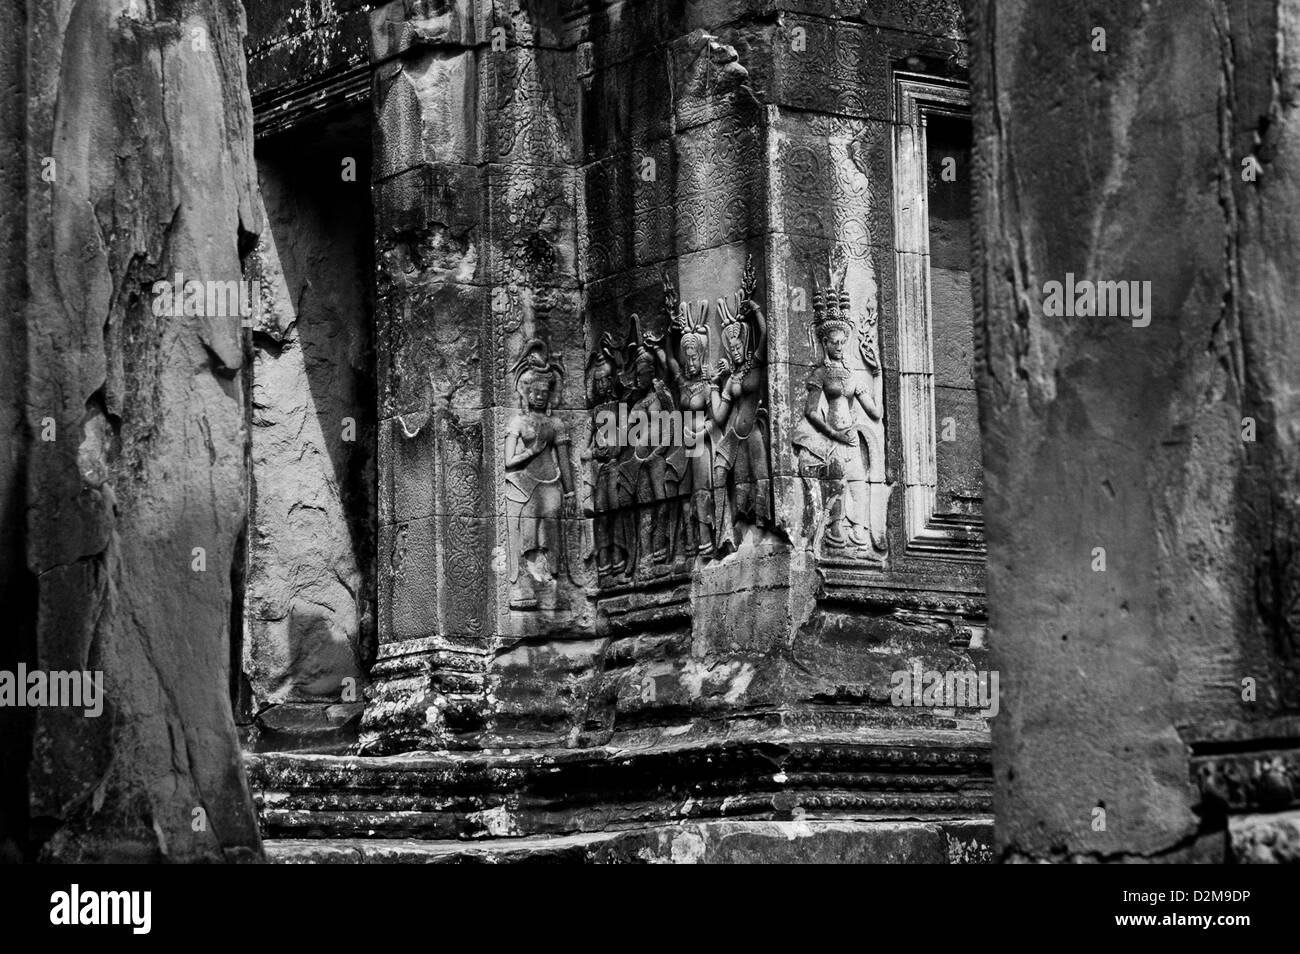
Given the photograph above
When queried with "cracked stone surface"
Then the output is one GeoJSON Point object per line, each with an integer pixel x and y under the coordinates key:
{"type": "Point", "coordinates": [1103, 435]}
{"type": "Point", "coordinates": [136, 506]}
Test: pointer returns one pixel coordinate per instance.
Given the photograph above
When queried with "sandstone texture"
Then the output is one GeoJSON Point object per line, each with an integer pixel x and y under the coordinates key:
{"type": "Point", "coordinates": [309, 594]}
{"type": "Point", "coordinates": [1170, 446]}
{"type": "Point", "coordinates": [133, 433]}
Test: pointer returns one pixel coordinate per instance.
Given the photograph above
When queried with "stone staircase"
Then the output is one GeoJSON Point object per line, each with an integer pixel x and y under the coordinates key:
{"type": "Point", "coordinates": [778, 796]}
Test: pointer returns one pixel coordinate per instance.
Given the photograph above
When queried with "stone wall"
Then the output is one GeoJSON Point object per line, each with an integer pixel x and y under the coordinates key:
{"type": "Point", "coordinates": [305, 60]}
{"type": "Point", "coordinates": [309, 594]}
{"type": "Point", "coordinates": [585, 637]}
{"type": "Point", "coordinates": [539, 179]}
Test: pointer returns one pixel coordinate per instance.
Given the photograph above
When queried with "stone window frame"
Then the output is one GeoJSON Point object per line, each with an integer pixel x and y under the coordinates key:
{"type": "Point", "coordinates": [925, 532]}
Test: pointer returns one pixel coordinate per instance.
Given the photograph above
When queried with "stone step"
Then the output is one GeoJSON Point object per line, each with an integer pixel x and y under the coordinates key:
{"type": "Point", "coordinates": [775, 775]}
{"type": "Point", "coordinates": [803, 841]}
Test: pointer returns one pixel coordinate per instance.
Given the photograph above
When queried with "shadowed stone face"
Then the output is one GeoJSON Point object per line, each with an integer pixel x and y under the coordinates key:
{"type": "Point", "coordinates": [692, 356]}
{"type": "Point", "coordinates": [538, 391]}
{"type": "Point", "coordinates": [1156, 628]}
{"type": "Point", "coordinates": [603, 381]}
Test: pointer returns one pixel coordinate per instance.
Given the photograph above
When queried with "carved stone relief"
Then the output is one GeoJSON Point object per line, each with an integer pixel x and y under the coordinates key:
{"type": "Point", "coordinates": [675, 461]}
{"type": "Point", "coordinates": [839, 441]}
{"type": "Point", "coordinates": [538, 482]}
{"type": "Point", "coordinates": [707, 77]}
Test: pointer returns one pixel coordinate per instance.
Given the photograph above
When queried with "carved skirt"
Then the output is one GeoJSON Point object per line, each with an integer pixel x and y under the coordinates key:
{"type": "Point", "coordinates": [605, 490]}
{"type": "Point", "coordinates": [533, 515]}
{"type": "Point", "coordinates": [830, 460]}
{"type": "Point", "coordinates": [750, 449]}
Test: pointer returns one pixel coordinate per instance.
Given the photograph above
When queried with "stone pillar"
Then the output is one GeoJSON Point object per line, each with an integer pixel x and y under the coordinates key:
{"type": "Point", "coordinates": [1142, 466]}
{"type": "Point", "coordinates": [437, 497]}
{"type": "Point", "coordinates": [138, 148]}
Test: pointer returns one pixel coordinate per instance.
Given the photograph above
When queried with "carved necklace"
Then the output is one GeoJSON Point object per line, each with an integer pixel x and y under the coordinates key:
{"type": "Point", "coordinates": [837, 371]}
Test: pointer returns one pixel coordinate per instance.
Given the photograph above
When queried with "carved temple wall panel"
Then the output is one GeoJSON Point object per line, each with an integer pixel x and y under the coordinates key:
{"type": "Point", "coordinates": [657, 319]}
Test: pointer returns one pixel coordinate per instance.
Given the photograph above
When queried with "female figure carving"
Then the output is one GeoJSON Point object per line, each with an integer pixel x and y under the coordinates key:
{"type": "Point", "coordinates": [833, 444]}
{"type": "Point", "coordinates": [643, 473]}
{"type": "Point", "coordinates": [538, 478]}
{"type": "Point", "coordinates": [604, 399]}
{"type": "Point", "coordinates": [691, 464]}
{"type": "Point", "coordinates": [742, 486]}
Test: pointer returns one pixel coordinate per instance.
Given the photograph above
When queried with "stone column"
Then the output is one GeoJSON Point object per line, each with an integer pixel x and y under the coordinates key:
{"type": "Point", "coordinates": [433, 343]}
{"type": "Point", "coordinates": [138, 148]}
{"type": "Point", "coordinates": [1142, 464]}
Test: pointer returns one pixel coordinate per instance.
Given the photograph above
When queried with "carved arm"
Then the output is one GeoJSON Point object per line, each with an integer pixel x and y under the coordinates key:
{"type": "Point", "coordinates": [760, 329]}
{"type": "Point", "coordinates": [516, 457]}
{"type": "Point", "coordinates": [866, 397]}
{"type": "Point", "coordinates": [569, 506]}
{"type": "Point", "coordinates": [719, 393]}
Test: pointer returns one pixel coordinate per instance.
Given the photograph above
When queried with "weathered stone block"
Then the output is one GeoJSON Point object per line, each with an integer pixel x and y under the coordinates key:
{"type": "Point", "coordinates": [427, 109]}
{"type": "Point", "coordinates": [950, 317]}
{"type": "Point", "coordinates": [466, 567]}
{"type": "Point", "coordinates": [826, 181]}
{"type": "Point", "coordinates": [958, 462]}
{"type": "Point", "coordinates": [1265, 839]}
{"type": "Point", "coordinates": [626, 104]}
{"type": "Point", "coordinates": [432, 347]}
{"type": "Point", "coordinates": [534, 99]}
{"type": "Point", "coordinates": [720, 842]}
{"type": "Point", "coordinates": [407, 461]}
{"type": "Point", "coordinates": [551, 315]}
{"type": "Point", "coordinates": [147, 463]}
{"type": "Point", "coordinates": [532, 226]}
{"type": "Point", "coordinates": [834, 68]}
{"type": "Point", "coordinates": [721, 182]}
{"type": "Point", "coordinates": [409, 576]}
{"type": "Point", "coordinates": [401, 25]}
{"type": "Point", "coordinates": [294, 42]}
{"type": "Point", "coordinates": [441, 203]}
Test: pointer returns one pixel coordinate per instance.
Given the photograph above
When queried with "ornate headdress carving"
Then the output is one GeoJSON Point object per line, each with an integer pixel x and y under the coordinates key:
{"type": "Point", "coordinates": [536, 361]}
{"type": "Point", "coordinates": [605, 355]}
{"type": "Point", "coordinates": [640, 353]}
{"type": "Point", "coordinates": [734, 309]}
{"type": "Point", "coordinates": [694, 327]}
{"type": "Point", "coordinates": [831, 312]}
{"type": "Point", "coordinates": [689, 319]}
